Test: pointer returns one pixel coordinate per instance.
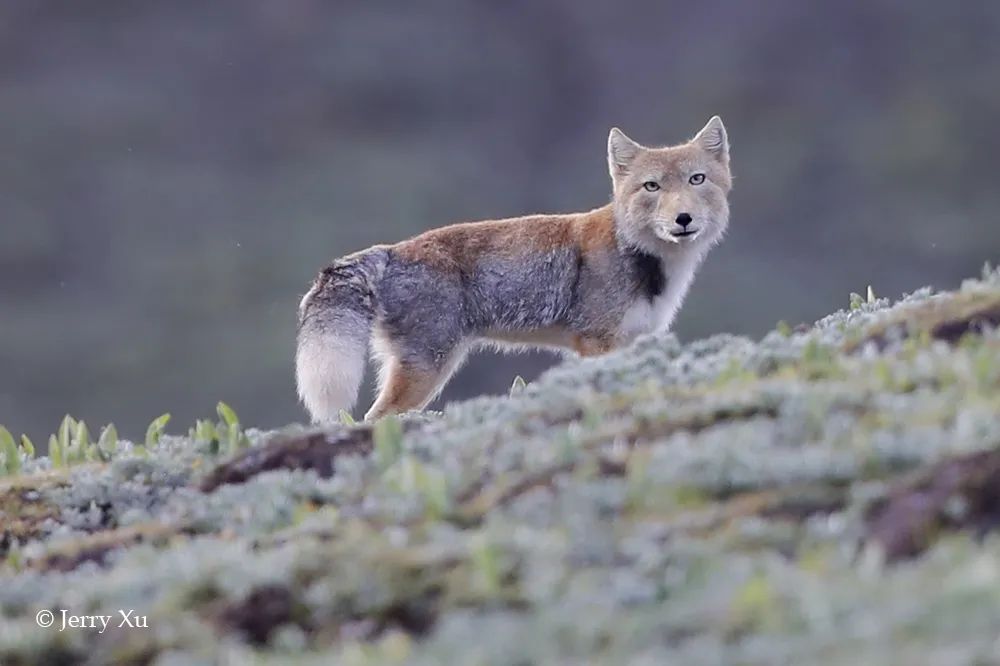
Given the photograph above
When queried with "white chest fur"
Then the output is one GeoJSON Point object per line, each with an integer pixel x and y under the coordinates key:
{"type": "Point", "coordinates": [646, 316]}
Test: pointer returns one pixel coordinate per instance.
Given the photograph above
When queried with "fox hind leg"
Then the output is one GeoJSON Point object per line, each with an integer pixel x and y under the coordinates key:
{"type": "Point", "coordinates": [410, 380]}
{"type": "Point", "coordinates": [405, 387]}
{"type": "Point", "coordinates": [420, 336]}
{"type": "Point", "coordinates": [410, 385]}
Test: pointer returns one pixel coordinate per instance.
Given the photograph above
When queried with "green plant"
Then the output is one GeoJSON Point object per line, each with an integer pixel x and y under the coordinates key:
{"type": "Point", "coordinates": [107, 443]}
{"type": "Point", "coordinates": [234, 437]}
{"type": "Point", "coordinates": [71, 444]}
{"type": "Point", "coordinates": [225, 431]}
{"type": "Point", "coordinates": [27, 445]}
{"type": "Point", "coordinates": [388, 439]}
{"type": "Point", "coordinates": [56, 452]}
{"type": "Point", "coordinates": [9, 451]}
{"type": "Point", "coordinates": [155, 429]}
{"type": "Point", "coordinates": [857, 300]}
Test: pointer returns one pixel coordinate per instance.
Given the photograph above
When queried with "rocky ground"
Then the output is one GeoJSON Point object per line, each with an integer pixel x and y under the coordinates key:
{"type": "Point", "coordinates": [827, 494]}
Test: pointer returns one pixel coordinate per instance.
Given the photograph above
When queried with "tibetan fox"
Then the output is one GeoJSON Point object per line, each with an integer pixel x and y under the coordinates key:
{"type": "Point", "coordinates": [587, 282]}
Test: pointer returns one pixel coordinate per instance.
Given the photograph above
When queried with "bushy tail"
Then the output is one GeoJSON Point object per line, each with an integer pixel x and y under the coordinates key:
{"type": "Point", "coordinates": [335, 323]}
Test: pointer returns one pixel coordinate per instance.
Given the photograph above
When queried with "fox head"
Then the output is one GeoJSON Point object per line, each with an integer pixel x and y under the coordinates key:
{"type": "Point", "coordinates": [674, 197]}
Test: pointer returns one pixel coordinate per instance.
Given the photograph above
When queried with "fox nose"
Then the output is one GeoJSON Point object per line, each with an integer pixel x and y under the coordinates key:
{"type": "Point", "coordinates": [684, 219]}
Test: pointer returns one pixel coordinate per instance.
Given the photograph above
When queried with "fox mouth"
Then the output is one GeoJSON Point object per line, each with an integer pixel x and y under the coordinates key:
{"type": "Point", "coordinates": [683, 236]}
{"type": "Point", "coordinates": [663, 232]}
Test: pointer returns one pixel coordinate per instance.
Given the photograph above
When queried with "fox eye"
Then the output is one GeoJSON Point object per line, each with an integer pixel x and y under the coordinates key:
{"type": "Point", "coordinates": [650, 186]}
{"type": "Point", "coordinates": [697, 179]}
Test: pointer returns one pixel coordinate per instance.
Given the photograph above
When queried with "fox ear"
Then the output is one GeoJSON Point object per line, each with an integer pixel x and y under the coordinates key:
{"type": "Point", "coordinates": [713, 139]}
{"type": "Point", "coordinates": [622, 151]}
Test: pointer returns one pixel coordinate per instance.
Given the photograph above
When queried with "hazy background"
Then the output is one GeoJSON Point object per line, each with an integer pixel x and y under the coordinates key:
{"type": "Point", "coordinates": [173, 173]}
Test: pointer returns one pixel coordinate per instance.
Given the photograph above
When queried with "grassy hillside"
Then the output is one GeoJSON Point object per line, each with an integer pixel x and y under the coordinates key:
{"type": "Point", "coordinates": [825, 495]}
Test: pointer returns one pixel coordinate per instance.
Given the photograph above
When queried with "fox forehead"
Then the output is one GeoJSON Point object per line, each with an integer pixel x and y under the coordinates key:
{"type": "Point", "coordinates": [677, 163]}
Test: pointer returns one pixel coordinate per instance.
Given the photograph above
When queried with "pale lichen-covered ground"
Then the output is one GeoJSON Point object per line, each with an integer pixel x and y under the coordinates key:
{"type": "Point", "coordinates": [825, 495]}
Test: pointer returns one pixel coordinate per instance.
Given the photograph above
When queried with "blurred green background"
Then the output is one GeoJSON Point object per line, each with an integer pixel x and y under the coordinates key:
{"type": "Point", "coordinates": [172, 174]}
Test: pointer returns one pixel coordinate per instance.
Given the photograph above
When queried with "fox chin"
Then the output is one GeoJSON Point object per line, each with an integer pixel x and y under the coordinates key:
{"type": "Point", "coordinates": [585, 282]}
